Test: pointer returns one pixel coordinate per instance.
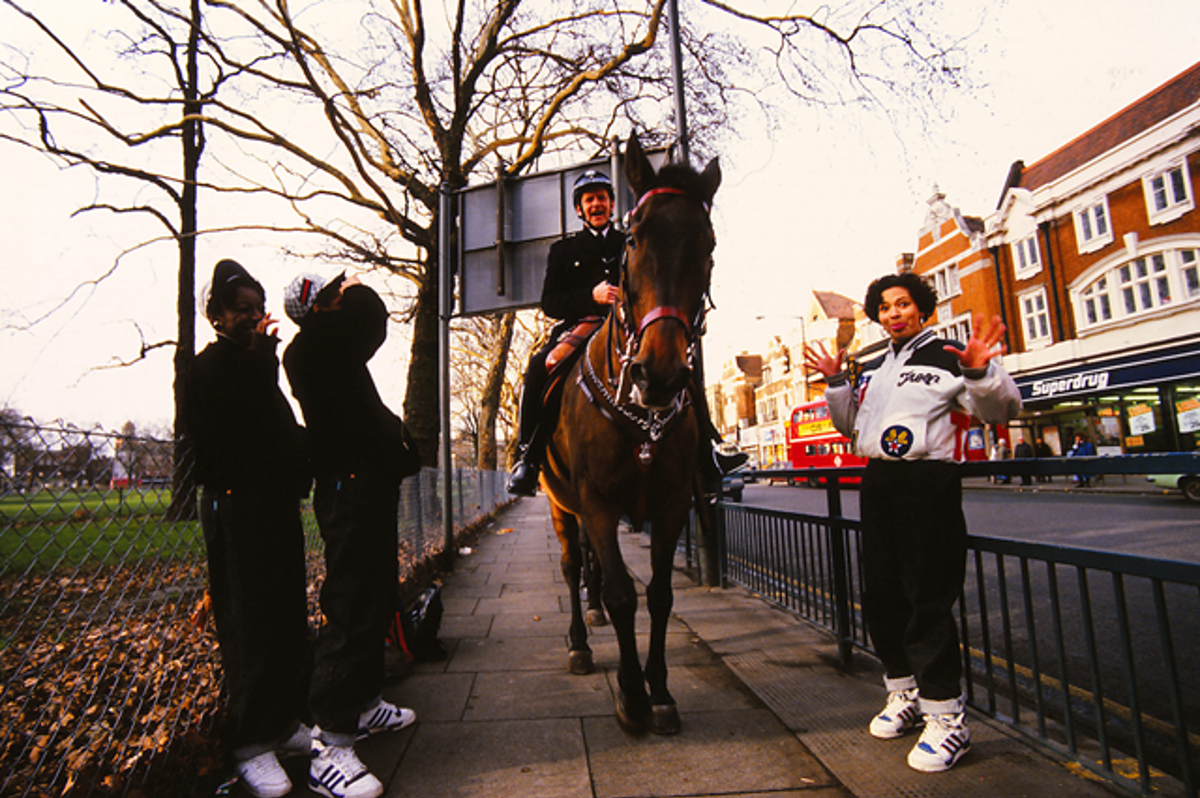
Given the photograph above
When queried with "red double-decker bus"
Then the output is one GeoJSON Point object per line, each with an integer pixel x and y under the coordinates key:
{"type": "Point", "coordinates": [814, 443]}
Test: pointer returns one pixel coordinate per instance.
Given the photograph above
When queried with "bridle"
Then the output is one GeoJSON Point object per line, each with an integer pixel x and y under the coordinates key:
{"type": "Point", "coordinates": [621, 324]}
{"type": "Point", "coordinates": [694, 327]}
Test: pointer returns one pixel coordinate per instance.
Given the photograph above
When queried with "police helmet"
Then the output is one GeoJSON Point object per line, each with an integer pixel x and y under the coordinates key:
{"type": "Point", "coordinates": [591, 180]}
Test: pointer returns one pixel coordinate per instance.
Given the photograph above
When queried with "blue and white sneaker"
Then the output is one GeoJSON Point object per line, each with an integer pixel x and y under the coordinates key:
{"type": "Point", "coordinates": [945, 739]}
{"type": "Point", "coordinates": [903, 712]}
{"type": "Point", "coordinates": [384, 717]}
{"type": "Point", "coordinates": [337, 772]}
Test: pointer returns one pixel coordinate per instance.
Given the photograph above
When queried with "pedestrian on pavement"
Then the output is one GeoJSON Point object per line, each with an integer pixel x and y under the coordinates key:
{"type": "Point", "coordinates": [1024, 451]}
{"type": "Point", "coordinates": [1042, 449]}
{"type": "Point", "coordinates": [1082, 448]}
{"type": "Point", "coordinates": [250, 461]}
{"type": "Point", "coordinates": [897, 408]}
{"type": "Point", "coordinates": [1000, 453]}
{"type": "Point", "coordinates": [360, 454]}
{"type": "Point", "coordinates": [580, 286]}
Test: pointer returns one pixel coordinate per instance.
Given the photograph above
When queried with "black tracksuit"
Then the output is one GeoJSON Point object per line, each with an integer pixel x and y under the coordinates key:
{"type": "Point", "coordinates": [250, 460]}
{"type": "Point", "coordinates": [355, 447]}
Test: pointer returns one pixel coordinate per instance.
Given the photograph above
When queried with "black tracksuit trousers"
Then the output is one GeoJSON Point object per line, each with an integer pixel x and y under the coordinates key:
{"type": "Point", "coordinates": [914, 562]}
{"type": "Point", "coordinates": [358, 519]}
{"type": "Point", "coordinates": [256, 577]}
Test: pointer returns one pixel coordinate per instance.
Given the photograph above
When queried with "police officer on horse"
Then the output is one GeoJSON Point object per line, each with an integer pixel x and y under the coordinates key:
{"type": "Point", "coordinates": [582, 275]}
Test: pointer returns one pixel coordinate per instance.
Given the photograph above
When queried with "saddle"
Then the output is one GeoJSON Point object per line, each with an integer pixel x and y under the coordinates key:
{"type": "Point", "coordinates": [568, 346]}
{"type": "Point", "coordinates": [564, 354]}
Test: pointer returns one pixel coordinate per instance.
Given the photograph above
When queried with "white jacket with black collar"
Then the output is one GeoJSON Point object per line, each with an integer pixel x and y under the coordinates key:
{"type": "Point", "coordinates": [899, 406]}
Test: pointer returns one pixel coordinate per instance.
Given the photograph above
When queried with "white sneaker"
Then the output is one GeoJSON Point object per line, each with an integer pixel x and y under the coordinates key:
{"type": "Point", "coordinates": [299, 744]}
{"type": "Point", "coordinates": [902, 712]}
{"type": "Point", "coordinates": [945, 739]}
{"type": "Point", "coordinates": [384, 717]}
{"type": "Point", "coordinates": [262, 776]}
{"type": "Point", "coordinates": [337, 772]}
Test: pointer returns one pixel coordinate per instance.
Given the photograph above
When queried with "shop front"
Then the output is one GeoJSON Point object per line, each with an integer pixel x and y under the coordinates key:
{"type": "Point", "coordinates": [1133, 403]}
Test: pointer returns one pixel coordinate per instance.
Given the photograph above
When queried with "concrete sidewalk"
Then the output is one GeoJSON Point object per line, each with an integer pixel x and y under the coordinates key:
{"type": "Point", "coordinates": [766, 711]}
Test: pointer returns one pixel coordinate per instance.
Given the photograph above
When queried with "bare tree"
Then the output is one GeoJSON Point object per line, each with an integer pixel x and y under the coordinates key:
{"type": "Point", "coordinates": [356, 125]}
{"type": "Point", "coordinates": [168, 47]}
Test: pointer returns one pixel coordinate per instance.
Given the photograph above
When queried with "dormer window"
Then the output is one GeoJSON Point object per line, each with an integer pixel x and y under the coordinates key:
{"type": "Point", "coordinates": [1026, 257]}
{"type": "Point", "coordinates": [1092, 228]}
{"type": "Point", "coordinates": [1168, 194]}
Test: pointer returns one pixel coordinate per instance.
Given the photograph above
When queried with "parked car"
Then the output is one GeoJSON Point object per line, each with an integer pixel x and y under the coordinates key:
{"type": "Point", "coordinates": [1188, 483]}
{"type": "Point", "coordinates": [732, 486]}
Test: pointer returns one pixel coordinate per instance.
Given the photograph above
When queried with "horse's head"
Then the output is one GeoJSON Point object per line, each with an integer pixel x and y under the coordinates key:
{"type": "Point", "coordinates": [668, 264]}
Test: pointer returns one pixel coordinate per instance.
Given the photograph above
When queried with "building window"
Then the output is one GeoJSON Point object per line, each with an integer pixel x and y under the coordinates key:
{"type": "Point", "coordinates": [1097, 306]}
{"type": "Point", "coordinates": [1092, 228]}
{"type": "Point", "coordinates": [1144, 284]}
{"type": "Point", "coordinates": [945, 280]}
{"type": "Point", "coordinates": [1036, 318]}
{"type": "Point", "coordinates": [1189, 273]}
{"type": "Point", "coordinates": [1026, 258]}
{"type": "Point", "coordinates": [1167, 194]}
{"type": "Point", "coordinates": [1140, 286]}
{"type": "Point", "coordinates": [957, 329]}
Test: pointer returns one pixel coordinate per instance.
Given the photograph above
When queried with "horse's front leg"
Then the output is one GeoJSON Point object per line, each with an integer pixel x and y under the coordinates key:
{"type": "Point", "coordinates": [566, 526]}
{"type": "Point", "coordinates": [660, 599]}
{"type": "Point", "coordinates": [620, 599]}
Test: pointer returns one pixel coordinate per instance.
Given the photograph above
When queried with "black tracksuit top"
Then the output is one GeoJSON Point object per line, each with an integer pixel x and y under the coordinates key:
{"type": "Point", "coordinates": [350, 429]}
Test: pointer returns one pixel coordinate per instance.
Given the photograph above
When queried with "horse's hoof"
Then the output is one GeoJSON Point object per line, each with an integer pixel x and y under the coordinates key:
{"type": "Point", "coordinates": [664, 719]}
{"type": "Point", "coordinates": [580, 662]}
{"type": "Point", "coordinates": [630, 722]}
{"type": "Point", "coordinates": [596, 618]}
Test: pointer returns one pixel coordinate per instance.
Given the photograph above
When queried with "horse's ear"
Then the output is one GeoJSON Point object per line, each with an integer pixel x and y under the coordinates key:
{"type": "Point", "coordinates": [710, 179]}
{"type": "Point", "coordinates": [638, 169]}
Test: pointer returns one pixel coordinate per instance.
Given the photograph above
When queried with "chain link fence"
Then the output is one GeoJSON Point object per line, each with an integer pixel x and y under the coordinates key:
{"type": "Point", "coordinates": [109, 672]}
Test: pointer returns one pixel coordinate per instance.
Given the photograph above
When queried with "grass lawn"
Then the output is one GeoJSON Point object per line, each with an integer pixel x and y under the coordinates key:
{"type": "Point", "coordinates": [50, 530]}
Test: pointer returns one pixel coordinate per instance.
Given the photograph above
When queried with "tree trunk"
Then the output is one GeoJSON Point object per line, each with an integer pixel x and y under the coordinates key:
{"type": "Point", "coordinates": [183, 479]}
{"type": "Point", "coordinates": [489, 401]}
{"type": "Point", "coordinates": [421, 408]}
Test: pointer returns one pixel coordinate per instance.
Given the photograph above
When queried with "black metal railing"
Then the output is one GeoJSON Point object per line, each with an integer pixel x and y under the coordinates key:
{"type": "Point", "coordinates": [1094, 654]}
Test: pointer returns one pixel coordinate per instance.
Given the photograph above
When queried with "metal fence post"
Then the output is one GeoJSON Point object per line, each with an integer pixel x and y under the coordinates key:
{"type": "Point", "coordinates": [841, 585]}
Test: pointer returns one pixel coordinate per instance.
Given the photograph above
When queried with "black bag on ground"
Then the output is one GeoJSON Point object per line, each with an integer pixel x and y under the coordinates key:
{"type": "Point", "coordinates": [415, 631]}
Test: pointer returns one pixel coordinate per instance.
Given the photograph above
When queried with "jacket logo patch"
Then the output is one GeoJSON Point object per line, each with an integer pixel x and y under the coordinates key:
{"type": "Point", "coordinates": [896, 441]}
{"type": "Point", "coordinates": [926, 378]}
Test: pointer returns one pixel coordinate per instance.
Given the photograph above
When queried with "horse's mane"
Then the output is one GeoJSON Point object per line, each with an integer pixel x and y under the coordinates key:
{"type": "Point", "coordinates": [681, 176]}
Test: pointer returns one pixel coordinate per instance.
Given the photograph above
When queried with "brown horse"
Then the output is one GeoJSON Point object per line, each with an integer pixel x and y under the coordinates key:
{"type": "Point", "coordinates": [626, 440]}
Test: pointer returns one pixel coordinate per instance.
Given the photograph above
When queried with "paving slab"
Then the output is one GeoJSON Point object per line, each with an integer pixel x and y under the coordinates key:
{"type": "Point", "coordinates": [767, 710]}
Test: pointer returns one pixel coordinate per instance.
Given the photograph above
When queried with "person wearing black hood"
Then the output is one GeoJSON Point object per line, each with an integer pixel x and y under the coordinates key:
{"type": "Point", "coordinates": [359, 457]}
{"type": "Point", "coordinates": [250, 461]}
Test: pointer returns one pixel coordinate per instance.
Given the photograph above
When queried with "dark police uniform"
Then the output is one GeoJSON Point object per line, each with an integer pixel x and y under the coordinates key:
{"type": "Point", "coordinates": [575, 265]}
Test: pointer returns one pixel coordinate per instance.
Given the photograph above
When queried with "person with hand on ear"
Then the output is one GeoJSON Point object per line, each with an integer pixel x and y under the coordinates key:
{"type": "Point", "coordinates": [896, 410]}
{"type": "Point", "coordinates": [359, 456]}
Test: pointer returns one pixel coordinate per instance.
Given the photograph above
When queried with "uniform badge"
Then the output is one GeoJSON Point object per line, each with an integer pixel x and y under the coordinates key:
{"type": "Point", "coordinates": [896, 441]}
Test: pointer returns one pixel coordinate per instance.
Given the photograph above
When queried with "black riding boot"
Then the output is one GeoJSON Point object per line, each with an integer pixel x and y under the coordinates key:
{"type": "Point", "coordinates": [523, 479]}
{"type": "Point", "coordinates": [714, 465]}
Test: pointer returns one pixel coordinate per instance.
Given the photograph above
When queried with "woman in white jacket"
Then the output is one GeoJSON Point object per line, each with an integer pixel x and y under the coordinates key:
{"type": "Point", "coordinates": [897, 410]}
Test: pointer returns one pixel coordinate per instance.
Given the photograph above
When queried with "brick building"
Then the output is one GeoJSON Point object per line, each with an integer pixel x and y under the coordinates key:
{"type": "Point", "coordinates": [1091, 258]}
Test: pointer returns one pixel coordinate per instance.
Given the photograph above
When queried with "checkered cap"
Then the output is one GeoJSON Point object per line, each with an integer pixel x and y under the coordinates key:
{"type": "Point", "coordinates": [301, 294]}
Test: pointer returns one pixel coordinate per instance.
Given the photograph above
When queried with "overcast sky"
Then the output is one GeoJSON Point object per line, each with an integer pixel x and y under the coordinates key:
{"type": "Point", "coordinates": [825, 207]}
